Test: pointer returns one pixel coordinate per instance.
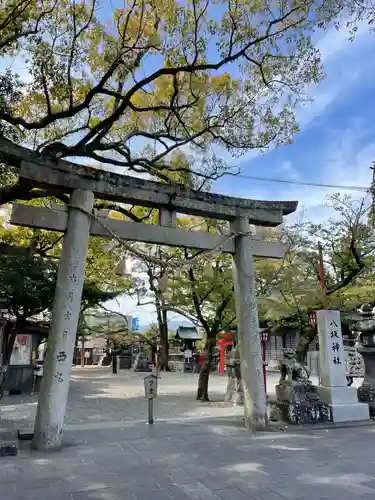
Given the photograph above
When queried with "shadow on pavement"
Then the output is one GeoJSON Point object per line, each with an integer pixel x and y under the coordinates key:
{"type": "Point", "coordinates": [198, 461]}
{"type": "Point", "coordinates": [96, 396]}
{"type": "Point", "coordinates": [193, 451]}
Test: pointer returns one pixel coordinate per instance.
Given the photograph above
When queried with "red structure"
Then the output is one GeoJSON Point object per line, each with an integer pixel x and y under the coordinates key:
{"type": "Point", "coordinates": [227, 339]}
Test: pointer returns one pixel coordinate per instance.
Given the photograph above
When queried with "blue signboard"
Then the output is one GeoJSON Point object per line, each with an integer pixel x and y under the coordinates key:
{"type": "Point", "coordinates": [135, 324]}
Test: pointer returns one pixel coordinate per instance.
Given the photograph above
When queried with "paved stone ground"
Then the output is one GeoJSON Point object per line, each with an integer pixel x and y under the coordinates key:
{"type": "Point", "coordinates": [194, 451]}
{"type": "Point", "coordinates": [98, 396]}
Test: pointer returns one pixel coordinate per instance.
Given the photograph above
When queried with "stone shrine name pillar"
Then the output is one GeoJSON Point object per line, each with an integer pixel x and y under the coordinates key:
{"type": "Point", "coordinates": [334, 391]}
{"type": "Point", "coordinates": [62, 336]}
{"type": "Point", "coordinates": [248, 328]}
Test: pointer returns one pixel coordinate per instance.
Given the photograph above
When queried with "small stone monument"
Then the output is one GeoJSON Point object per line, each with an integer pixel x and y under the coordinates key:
{"type": "Point", "coordinates": [366, 327]}
{"type": "Point", "coordinates": [334, 391]}
{"type": "Point", "coordinates": [142, 363]}
{"type": "Point", "coordinates": [297, 399]}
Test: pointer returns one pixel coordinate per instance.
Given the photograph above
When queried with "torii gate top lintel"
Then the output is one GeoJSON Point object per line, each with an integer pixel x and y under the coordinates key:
{"type": "Point", "coordinates": [45, 171]}
{"type": "Point", "coordinates": [126, 189]}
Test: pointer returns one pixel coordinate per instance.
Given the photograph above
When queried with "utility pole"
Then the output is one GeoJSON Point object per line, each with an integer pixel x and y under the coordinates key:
{"type": "Point", "coordinates": [372, 190]}
{"type": "Point", "coordinates": [323, 286]}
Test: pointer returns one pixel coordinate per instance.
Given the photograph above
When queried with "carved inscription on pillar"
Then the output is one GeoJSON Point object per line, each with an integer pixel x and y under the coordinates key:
{"type": "Point", "coordinates": [61, 356]}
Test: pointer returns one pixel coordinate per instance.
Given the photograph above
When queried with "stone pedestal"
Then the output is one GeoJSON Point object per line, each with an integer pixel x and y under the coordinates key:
{"type": "Point", "coordinates": [298, 403]}
{"type": "Point", "coordinates": [368, 354]}
{"type": "Point", "coordinates": [124, 362]}
{"type": "Point", "coordinates": [344, 403]}
{"type": "Point", "coordinates": [334, 391]}
{"type": "Point", "coordinates": [189, 366]}
{"type": "Point", "coordinates": [366, 394]}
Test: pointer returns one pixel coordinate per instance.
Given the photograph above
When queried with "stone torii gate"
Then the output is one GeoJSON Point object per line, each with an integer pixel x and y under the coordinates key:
{"type": "Point", "coordinates": [77, 222]}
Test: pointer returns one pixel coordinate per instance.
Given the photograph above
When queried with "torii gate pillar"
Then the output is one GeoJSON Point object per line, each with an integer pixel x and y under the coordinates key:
{"type": "Point", "coordinates": [53, 397]}
{"type": "Point", "coordinates": [248, 328]}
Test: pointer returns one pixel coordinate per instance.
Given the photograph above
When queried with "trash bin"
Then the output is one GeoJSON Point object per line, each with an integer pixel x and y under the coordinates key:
{"type": "Point", "coordinates": [20, 379]}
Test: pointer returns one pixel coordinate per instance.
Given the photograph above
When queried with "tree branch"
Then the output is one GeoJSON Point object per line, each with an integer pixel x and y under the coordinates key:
{"type": "Point", "coordinates": [353, 273]}
{"type": "Point", "coordinates": [117, 208]}
{"type": "Point", "coordinates": [197, 305]}
{"type": "Point", "coordinates": [107, 122]}
{"type": "Point", "coordinates": [23, 192]}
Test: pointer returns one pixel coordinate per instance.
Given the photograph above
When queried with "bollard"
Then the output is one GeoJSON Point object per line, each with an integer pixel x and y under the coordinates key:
{"type": "Point", "coordinates": [150, 411]}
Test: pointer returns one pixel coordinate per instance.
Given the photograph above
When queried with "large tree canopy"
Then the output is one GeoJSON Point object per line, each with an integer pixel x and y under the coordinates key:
{"type": "Point", "coordinates": [131, 86]}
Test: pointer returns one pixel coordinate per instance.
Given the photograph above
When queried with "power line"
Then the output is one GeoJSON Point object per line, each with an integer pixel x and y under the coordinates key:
{"type": "Point", "coordinates": [298, 183]}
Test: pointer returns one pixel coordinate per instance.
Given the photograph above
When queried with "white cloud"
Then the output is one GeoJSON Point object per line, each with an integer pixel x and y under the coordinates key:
{"type": "Point", "coordinates": [348, 167]}
{"type": "Point", "coordinates": [289, 172]}
{"type": "Point", "coordinates": [334, 41]}
{"type": "Point", "coordinates": [342, 163]}
{"type": "Point", "coordinates": [344, 63]}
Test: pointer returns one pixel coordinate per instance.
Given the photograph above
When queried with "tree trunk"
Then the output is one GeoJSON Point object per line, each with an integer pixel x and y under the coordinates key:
{"type": "Point", "coordinates": [10, 333]}
{"type": "Point", "coordinates": [114, 362]}
{"type": "Point", "coordinates": [82, 351]}
{"type": "Point", "coordinates": [204, 374]}
{"type": "Point", "coordinates": [162, 317]}
{"type": "Point", "coordinates": [306, 336]}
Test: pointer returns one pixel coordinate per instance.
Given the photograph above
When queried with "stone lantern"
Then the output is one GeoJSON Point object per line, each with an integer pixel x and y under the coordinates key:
{"type": "Point", "coordinates": [366, 327]}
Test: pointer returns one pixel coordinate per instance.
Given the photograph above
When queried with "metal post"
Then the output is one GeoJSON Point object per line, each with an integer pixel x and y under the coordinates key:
{"type": "Point", "coordinates": [157, 360]}
{"type": "Point", "coordinates": [150, 411]}
{"type": "Point", "coordinates": [263, 344]}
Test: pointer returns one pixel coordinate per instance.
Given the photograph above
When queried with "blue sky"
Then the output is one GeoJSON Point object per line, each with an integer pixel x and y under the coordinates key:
{"type": "Point", "coordinates": [336, 143]}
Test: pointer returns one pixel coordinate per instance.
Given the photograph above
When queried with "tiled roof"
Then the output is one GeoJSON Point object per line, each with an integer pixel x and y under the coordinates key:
{"type": "Point", "coordinates": [188, 333]}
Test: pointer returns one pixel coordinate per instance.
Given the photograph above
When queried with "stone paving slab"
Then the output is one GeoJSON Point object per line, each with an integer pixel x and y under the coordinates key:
{"type": "Point", "coordinates": [214, 463]}
{"type": "Point", "coordinates": [202, 453]}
